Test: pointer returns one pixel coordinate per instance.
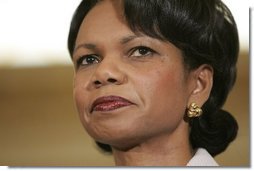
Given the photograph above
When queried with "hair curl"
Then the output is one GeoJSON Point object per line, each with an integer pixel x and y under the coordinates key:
{"type": "Point", "coordinates": [206, 33]}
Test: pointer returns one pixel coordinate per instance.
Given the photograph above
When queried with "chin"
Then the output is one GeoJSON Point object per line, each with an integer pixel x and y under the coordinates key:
{"type": "Point", "coordinates": [123, 144]}
{"type": "Point", "coordinates": [123, 139]}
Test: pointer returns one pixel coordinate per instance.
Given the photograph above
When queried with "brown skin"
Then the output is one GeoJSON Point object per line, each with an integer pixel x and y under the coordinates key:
{"type": "Point", "coordinates": [152, 131]}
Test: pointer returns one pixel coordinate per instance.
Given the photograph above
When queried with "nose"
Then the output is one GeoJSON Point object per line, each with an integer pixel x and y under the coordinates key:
{"type": "Point", "coordinates": [108, 72]}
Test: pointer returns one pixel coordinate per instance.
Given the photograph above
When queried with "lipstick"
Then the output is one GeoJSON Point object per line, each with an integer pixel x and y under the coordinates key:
{"type": "Point", "coordinates": [109, 103]}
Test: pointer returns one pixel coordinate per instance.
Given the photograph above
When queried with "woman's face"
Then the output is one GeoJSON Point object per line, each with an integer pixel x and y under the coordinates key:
{"type": "Point", "coordinates": [128, 87]}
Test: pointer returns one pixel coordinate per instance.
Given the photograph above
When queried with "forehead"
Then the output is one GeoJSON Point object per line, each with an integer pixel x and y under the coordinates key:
{"type": "Point", "coordinates": [104, 17]}
{"type": "Point", "coordinates": [113, 8]}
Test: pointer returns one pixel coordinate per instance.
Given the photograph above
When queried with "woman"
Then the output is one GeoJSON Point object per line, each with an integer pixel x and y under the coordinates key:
{"type": "Point", "coordinates": [151, 77]}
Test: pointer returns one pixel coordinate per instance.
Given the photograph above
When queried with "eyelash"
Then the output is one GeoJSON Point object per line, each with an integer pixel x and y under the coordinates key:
{"type": "Point", "coordinates": [85, 57]}
{"type": "Point", "coordinates": [148, 51]}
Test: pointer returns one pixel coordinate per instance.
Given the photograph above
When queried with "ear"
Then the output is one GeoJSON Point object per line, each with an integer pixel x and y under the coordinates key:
{"type": "Point", "coordinates": [202, 79]}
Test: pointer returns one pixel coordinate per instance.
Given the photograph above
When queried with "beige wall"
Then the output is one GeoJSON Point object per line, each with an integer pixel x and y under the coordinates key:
{"type": "Point", "coordinates": [39, 124]}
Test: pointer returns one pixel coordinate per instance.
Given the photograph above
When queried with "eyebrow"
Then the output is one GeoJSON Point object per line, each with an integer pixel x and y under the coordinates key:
{"type": "Point", "coordinates": [92, 46]}
{"type": "Point", "coordinates": [89, 46]}
{"type": "Point", "coordinates": [127, 39]}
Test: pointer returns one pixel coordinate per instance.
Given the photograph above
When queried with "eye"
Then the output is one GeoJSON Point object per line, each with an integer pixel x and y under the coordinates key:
{"type": "Point", "coordinates": [87, 60]}
{"type": "Point", "coordinates": [141, 51]}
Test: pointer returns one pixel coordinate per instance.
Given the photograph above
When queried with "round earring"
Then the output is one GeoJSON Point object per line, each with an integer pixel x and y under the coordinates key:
{"type": "Point", "coordinates": [194, 110]}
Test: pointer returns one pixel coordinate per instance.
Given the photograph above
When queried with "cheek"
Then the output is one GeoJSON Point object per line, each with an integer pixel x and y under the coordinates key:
{"type": "Point", "coordinates": [164, 94]}
{"type": "Point", "coordinates": [80, 94]}
{"type": "Point", "coordinates": [81, 97]}
{"type": "Point", "coordinates": [170, 84]}
{"type": "Point", "coordinates": [79, 100]}
{"type": "Point", "coordinates": [164, 84]}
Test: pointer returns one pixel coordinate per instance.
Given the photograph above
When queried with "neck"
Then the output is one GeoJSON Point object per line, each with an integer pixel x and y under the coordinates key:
{"type": "Point", "coordinates": [163, 150]}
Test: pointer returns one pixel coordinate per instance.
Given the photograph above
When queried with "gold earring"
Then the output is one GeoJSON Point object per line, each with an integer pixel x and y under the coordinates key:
{"type": "Point", "coordinates": [194, 110]}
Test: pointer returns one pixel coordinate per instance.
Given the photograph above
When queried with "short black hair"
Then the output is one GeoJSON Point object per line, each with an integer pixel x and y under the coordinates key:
{"type": "Point", "coordinates": [206, 33]}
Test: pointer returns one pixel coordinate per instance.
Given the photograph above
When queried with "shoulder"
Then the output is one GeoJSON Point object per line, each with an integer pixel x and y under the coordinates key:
{"type": "Point", "coordinates": [202, 158]}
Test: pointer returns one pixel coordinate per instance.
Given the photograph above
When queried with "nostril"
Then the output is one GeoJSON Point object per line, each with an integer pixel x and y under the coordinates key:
{"type": "Point", "coordinates": [112, 80]}
{"type": "Point", "coordinates": [97, 82]}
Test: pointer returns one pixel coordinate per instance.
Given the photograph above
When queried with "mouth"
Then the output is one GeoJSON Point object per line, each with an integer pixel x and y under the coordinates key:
{"type": "Point", "coordinates": [109, 103]}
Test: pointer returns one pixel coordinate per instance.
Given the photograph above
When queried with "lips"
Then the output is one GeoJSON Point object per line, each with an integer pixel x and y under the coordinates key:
{"type": "Point", "coordinates": [109, 103]}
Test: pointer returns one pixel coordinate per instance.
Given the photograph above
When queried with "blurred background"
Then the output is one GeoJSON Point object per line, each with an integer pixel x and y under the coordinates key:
{"type": "Point", "coordinates": [39, 125]}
